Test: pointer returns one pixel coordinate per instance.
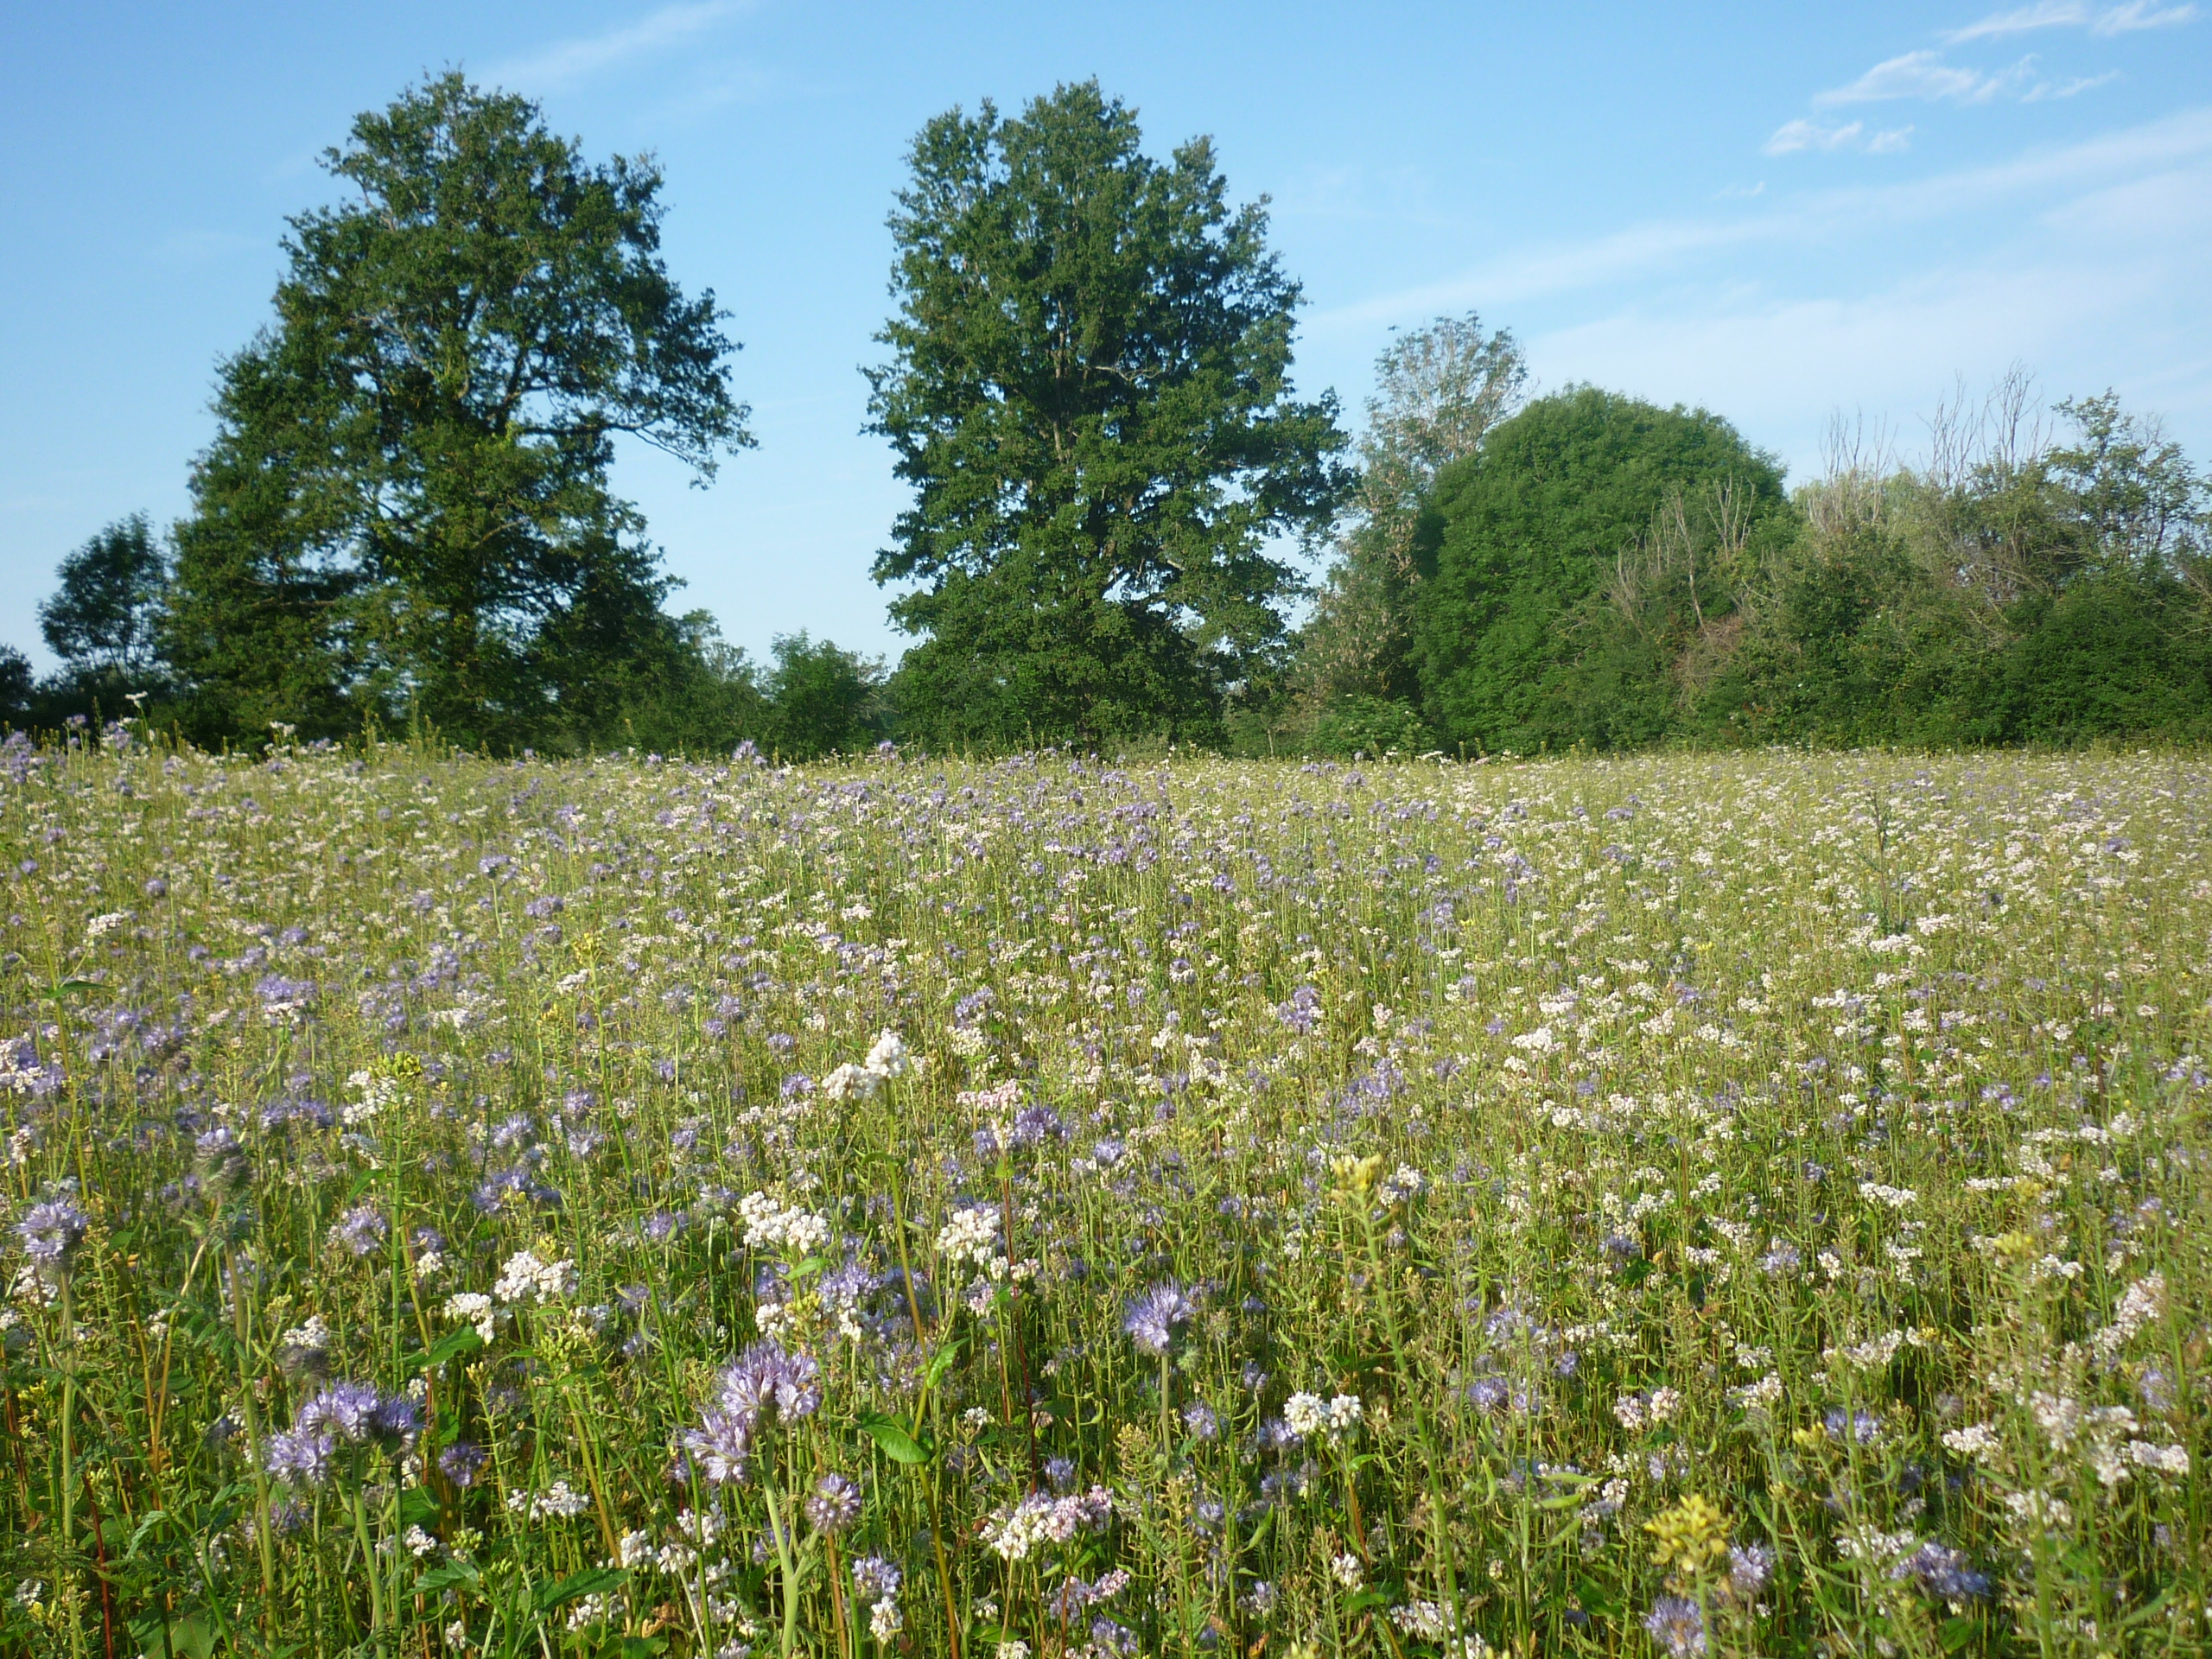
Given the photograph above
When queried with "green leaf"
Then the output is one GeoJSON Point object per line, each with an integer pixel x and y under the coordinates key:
{"type": "Point", "coordinates": [451, 1576]}
{"type": "Point", "coordinates": [894, 1441]}
{"type": "Point", "coordinates": [1957, 1632]}
{"type": "Point", "coordinates": [941, 1362]}
{"type": "Point", "coordinates": [452, 1345]}
{"type": "Point", "coordinates": [418, 1507]}
{"type": "Point", "coordinates": [589, 1582]}
{"type": "Point", "coordinates": [190, 1637]}
{"type": "Point", "coordinates": [643, 1646]}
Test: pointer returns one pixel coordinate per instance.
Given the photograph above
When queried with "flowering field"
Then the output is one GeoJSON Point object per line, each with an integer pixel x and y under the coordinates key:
{"type": "Point", "coordinates": [1683, 1205]}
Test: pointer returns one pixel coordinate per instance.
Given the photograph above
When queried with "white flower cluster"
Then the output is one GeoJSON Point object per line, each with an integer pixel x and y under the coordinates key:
{"type": "Point", "coordinates": [2166, 1460]}
{"type": "Point", "coordinates": [771, 1226]}
{"type": "Point", "coordinates": [1402, 1185]}
{"type": "Point", "coordinates": [1634, 1411]}
{"type": "Point", "coordinates": [889, 1059]}
{"type": "Point", "coordinates": [1896, 1197]}
{"type": "Point", "coordinates": [1425, 1621]}
{"type": "Point", "coordinates": [1762, 1395]}
{"type": "Point", "coordinates": [1011, 1534]}
{"type": "Point", "coordinates": [1309, 1414]}
{"type": "Point", "coordinates": [560, 1499]}
{"type": "Point", "coordinates": [637, 1549]}
{"type": "Point", "coordinates": [526, 1278]}
{"type": "Point", "coordinates": [1976, 1440]}
{"type": "Point", "coordinates": [375, 1091]}
{"type": "Point", "coordinates": [2143, 1302]}
{"type": "Point", "coordinates": [972, 1234]}
{"type": "Point", "coordinates": [474, 1308]}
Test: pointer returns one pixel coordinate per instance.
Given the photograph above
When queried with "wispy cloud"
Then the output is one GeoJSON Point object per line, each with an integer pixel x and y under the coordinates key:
{"type": "Point", "coordinates": [2072, 14]}
{"type": "Point", "coordinates": [566, 62]}
{"type": "Point", "coordinates": [2176, 150]}
{"type": "Point", "coordinates": [1795, 135]}
{"type": "Point", "coordinates": [2048, 89]}
{"type": "Point", "coordinates": [1924, 75]}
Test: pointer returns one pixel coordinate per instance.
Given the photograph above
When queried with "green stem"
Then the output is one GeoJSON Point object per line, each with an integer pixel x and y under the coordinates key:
{"type": "Point", "coordinates": [242, 1325]}
{"type": "Point", "coordinates": [68, 1576]}
{"type": "Point", "coordinates": [781, 1536]}
{"type": "Point", "coordinates": [368, 1557]}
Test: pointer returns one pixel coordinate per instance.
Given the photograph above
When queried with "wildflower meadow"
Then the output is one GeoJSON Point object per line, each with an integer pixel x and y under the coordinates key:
{"type": "Point", "coordinates": [1752, 1204]}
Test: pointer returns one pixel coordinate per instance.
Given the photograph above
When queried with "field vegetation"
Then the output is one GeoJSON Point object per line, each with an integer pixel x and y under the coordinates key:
{"type": "Point", "coordinates": [1752, 1204]}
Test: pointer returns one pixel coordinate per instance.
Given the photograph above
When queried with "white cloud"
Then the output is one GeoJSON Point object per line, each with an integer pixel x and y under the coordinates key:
{"type": "Point", "coordinates": [566, 62]}
{"type": "Point", "coordinates": [2098, 169]}
{"type": "Point", "coordinates": [2090, 277]}
{"type": "Point", "coordinates": [2072, 14]}
{"type": "Point", "coordinates": [1924, 74]}
{"type": "Point", "coordinates": [2140, 14]}
{"type": "Point", "coordinates": [2045, 89]}
{"type": "Point", "coordinates": [2050, 14]}
{"type": "Point", "coordinates": [1795, 135]}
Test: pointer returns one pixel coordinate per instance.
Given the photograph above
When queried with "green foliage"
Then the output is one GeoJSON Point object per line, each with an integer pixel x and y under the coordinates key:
{"type": "Point", "coordinates": [822, 700]}
{"type": "Point", "coordinates": [405, 513]}
{"type": "Point", "coordinates": [103, 615]}
{"type": "Point", "coordinates": [1520, 642]}
{"type": "Point", "coordinates": [1440, 388]}
{"type": "Point", "coordinates": [16, 684]}
{"type": "Point", "coordinates": [1089, 392]}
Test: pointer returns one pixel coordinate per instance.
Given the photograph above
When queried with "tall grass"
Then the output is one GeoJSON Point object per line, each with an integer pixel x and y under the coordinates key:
{"type": "Point", "coordinates": [1743, 1206]}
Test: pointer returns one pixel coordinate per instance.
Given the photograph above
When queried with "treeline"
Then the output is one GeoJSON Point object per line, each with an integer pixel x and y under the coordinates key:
{"type": "Point", "coordinates": [1594, 570]}
{"type": "Point", "coordinates": [406, 520]}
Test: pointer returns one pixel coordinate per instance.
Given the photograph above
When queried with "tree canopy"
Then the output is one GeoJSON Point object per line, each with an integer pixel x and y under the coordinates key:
{"type": "Point", "coordinates": [1554, 509]}
{"type": "Point", "coordinates": [102, 616]}
{"type": "Point", "coordinates": [1089, 392]}
{"type": "Point", "coordinates": [406, 511]}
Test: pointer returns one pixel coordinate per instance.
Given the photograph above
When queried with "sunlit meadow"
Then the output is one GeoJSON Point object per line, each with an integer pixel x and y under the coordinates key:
{"type": "Point", "coordinates": [1679, 1205]}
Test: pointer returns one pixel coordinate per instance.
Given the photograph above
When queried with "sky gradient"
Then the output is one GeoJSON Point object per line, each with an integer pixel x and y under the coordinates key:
{"type": "Point", "coordinates": [1778, 212]}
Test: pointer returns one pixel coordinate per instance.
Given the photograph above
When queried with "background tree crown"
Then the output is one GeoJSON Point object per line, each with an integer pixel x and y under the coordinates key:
{"type": "Point", "coordinates": [1089, 392]}
{"type": "Point", "coordinates": [412, 469]}
{"type": "Point", "coordinates": [104, 613]}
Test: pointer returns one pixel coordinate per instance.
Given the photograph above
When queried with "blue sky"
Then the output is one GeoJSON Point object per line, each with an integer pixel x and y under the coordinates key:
{"type": "Point", "coordinates": [1778, 211]}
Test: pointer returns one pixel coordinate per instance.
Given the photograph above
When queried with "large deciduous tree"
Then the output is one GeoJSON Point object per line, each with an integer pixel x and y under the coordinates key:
{"type": "Point", "coordinates": [406, 512]}
{"type": "Point", "coordinates": [101, 618]}
{"type": "Point", "coordinates": [1089, 392]}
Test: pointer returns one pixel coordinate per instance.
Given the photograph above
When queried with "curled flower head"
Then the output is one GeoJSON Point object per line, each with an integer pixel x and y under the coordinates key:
{"type": "Point", "coordinates": [220, 1160]}
{"type": "Point", "coordinates": [763, 1385]}
{"type": "Point", "coordinates": [1153, 1317]}
{"type": "Point", "coordinates": [1748, 1568]}
{"type": "Point", "coordinates": [360, 1231]}
{"type": "Point", "coordinates": [301, 1457]}
{"type": "Point", "coordinates": [1945, 1573]}
{"type": "Point", "coordinates": [1677, 1624]}
{"type": "Point", "coordinates": [834, 1504]}
{"type": "Point", "coordinates": [460, 1461]}
{"type": "Point", "coordinates": [877, 1580]}
{"type": "Point", "coordinates": [51, 1233]}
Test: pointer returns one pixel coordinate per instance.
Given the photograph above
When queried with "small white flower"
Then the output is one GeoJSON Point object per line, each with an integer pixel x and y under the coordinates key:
{"type": "Point", "coordinates": [1976, 1440]}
